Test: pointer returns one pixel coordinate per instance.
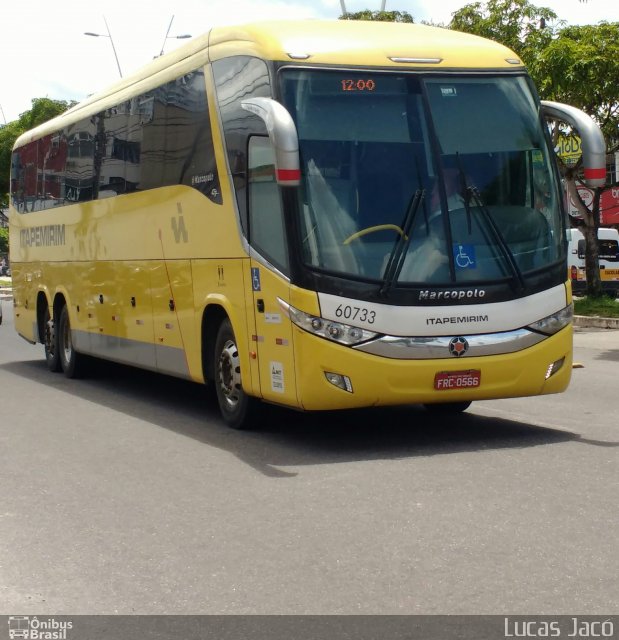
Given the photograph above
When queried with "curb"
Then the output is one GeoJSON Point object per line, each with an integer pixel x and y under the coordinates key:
{"type": "Point", "coordinates": [595, 322]}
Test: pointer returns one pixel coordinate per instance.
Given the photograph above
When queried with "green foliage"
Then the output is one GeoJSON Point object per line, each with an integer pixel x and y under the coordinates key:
{"type": "Point", "coordinates": [518, 24]}
{"type": "Point", "coordinates": [8, 135]}
{"type": "Point", "coordinates": [580, 66]}
{"type": "Point", "coordinates": [4, 240]}
{"type": "Point", "coordinates": [380, 16]}
{"type": "Point", "coordinates": [605, 307]}
{"type": "Point", "coordinates": [43, 109]}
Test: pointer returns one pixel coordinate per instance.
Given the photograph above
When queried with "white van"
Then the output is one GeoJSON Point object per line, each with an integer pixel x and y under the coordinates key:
{"type": "Point", "coordinates": [608, 249]}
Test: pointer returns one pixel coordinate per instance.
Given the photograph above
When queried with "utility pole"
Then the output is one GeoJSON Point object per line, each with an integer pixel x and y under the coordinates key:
{"type": "Point", "coordinates": [109, 35]}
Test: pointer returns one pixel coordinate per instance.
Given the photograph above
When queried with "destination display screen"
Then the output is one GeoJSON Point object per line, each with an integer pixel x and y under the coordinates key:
{"type": "Point", "coordinates": [331, 84]}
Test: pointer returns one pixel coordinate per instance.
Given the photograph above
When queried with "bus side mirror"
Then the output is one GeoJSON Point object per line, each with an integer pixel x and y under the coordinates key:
{"type": "Point", "coordinates": [283, 135]}
{"type": "Point", "coordinates": [593, 143]}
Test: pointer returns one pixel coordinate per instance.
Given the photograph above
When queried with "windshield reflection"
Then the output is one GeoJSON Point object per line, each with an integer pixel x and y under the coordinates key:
{"type": "Point", "coordinates": [423, 181]}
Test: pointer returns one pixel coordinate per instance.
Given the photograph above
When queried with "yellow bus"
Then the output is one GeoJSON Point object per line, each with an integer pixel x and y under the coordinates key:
{"type": "Point", "coordinates": [317, 214]}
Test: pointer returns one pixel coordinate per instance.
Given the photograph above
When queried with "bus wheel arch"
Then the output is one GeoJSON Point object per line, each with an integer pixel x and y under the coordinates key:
{"type": "Point", "coordinates": [222, 365]}
{"type": "Point", "coordinates": [47, 330]}
{"type": "Point", "coordinates": [212, 318]}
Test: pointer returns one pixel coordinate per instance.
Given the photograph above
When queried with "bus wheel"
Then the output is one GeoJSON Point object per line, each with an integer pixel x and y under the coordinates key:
{"type": "Point", "coordinates": [448, 407]}
{"type": "Point", "coordinates": [233, 401]}
{"type": "Point", "coordinates": [70, 360]}
{"type": "Point", "coordinates": [50, 342]}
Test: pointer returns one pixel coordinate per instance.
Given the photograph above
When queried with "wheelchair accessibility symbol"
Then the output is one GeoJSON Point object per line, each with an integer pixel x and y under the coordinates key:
{"type": "Point", "coordinates": [255, 279]}
{"type": "Point", "coordinates": [464, 256]}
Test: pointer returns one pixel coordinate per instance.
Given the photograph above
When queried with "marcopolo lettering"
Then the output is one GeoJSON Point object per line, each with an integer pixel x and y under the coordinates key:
{"type": "Point", "coordinates": [49, 235]}
{"type": "Point", "coordinates": [454, 294]}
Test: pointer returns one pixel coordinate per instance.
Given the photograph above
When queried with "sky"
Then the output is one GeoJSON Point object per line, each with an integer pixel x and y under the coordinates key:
{"type": "Point", "coordinates": [44, 52]}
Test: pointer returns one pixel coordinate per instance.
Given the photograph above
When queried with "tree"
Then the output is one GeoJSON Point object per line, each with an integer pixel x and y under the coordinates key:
{"type": "Point", "coordinates": [43, 109]}
{"type": "Point", "coordinates": [4, 241]}
{"type": "Point", "coordinates": [577, 65]}
{"type": "Point", "coordinates": [517, 24]}
{"type": "Point", "coordinates": [381, 16]}
{"type": "Point", "coordinates": [580, 66]}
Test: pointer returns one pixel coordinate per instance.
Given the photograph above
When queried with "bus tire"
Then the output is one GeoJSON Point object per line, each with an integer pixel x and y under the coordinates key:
{"type": "Point", "coordinates": [50, 342]}
{"type": "Point", "coordinates": [448, 407]}
{"type": "Point", "coordinates": [71, 361]}
{"type": "Point", "coordinates": [234, 403]}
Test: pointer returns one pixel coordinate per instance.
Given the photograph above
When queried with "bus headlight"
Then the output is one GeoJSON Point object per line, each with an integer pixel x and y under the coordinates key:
{"type": "Point", "coordinates": [555, 322]}
{"type": "Point", "coordinates": [336, 331]}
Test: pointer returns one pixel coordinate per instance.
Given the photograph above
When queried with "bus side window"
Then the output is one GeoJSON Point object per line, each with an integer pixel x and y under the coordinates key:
{"type": "Point", "coordinates": [236, 79]}
{"type": "Point", "coordinates": [266, 221]}
{"type": "Point", "coordinates": [80, 167]}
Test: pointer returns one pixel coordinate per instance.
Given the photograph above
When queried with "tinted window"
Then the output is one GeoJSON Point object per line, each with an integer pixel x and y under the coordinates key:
{"type": "Point", "coordinates": [266, 222]}
{"type": "Point", "coordinates": [160, 138]}
{"type": "Point", "coordinates": [237, 79]}
{"type": "Point", "coordinates": [79, 174]}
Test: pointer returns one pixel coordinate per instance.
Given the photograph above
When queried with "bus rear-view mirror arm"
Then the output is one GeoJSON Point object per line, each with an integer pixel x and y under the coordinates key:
{"type": "Point", "coordinates": [593, 143]}
{"type": "Point", "coordinates": [283, 135]}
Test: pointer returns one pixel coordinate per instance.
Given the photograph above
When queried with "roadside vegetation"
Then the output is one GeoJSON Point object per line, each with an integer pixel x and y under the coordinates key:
{"type": "Point", "coordinates": [604, 307]}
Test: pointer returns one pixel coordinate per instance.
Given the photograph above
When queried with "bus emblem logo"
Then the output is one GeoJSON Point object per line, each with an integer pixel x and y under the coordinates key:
{"type": "Point", "coordinates": [458, 346]}
{"type": "Point", "coordinates": [179, 229]}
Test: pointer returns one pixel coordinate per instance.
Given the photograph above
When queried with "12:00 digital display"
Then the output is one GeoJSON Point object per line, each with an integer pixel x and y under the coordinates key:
{"type": "Point", "coordinates": [358, 84]}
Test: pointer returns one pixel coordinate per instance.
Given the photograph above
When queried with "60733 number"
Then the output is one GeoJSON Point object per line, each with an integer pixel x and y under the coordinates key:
{"type": "Point", "coordinates": [348, 312]}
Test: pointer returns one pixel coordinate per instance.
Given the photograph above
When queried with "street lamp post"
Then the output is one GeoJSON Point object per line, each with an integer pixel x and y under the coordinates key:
{"type": "Point", "coordinates": [109, 35]}
{"type": "Point", "coordinates": [169, 37]}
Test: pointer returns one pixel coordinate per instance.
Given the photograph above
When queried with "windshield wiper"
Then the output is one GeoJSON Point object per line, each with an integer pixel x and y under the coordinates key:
{"type": "Point", "coordinates": [398, 253]}
{"type": "Point", "coordinates": [473, 193]}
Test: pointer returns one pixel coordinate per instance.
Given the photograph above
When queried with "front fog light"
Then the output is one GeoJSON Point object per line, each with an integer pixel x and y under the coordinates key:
{"type": "Point", "coordinates": [340, 381]}
{"type": "Point", "coordinates": [554, 367]}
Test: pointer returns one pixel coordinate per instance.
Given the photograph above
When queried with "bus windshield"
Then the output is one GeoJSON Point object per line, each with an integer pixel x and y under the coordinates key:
{"type": "Point", "coordinates": [410, 179]}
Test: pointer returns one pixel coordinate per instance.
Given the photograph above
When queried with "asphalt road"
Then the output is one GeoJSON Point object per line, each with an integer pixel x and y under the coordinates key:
{"type": "Point", "coordinates": [124, 493]}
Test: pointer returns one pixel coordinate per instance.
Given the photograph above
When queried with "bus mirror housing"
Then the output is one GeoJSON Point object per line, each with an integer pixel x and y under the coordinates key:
{"type": "Point", "coordinates": [283, 135]}
{"type": "Point", "coordinates": [593, 143]}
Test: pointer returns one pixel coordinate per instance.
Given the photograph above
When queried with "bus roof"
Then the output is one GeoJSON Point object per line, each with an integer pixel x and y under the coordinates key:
{"type": "Point", "coordinates": [361, 43]}
{"type": "Point", "coordinates": [353, 43]}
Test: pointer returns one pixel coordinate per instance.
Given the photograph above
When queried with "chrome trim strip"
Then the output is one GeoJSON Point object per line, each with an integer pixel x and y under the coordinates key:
{"type": "Point", "coordinates": [144, 355]}
{"type": "Point", "coordinates": [437, 347]}
{"type": "Point", "coordinates": [406, 60]}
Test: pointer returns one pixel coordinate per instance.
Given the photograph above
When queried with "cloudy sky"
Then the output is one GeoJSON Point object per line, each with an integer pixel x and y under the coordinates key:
{"type": "Point", "coordinates": [44, 52]}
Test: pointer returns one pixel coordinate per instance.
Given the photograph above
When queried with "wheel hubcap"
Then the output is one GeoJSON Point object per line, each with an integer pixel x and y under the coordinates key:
{"type": "Point", "coordinates": [229, 373]}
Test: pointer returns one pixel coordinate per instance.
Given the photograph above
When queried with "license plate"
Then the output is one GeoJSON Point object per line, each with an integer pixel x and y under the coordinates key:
{"type": "Point", "coordinates": [446, 380]}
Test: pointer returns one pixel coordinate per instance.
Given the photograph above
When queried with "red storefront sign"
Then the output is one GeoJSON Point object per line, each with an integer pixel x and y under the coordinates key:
{"type": "Point", "coordinates": [609, 205]}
